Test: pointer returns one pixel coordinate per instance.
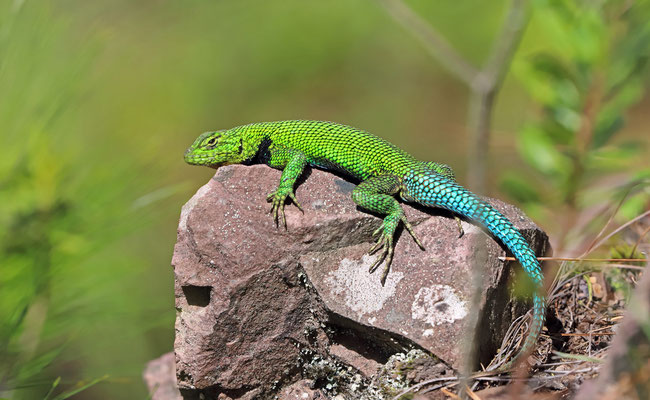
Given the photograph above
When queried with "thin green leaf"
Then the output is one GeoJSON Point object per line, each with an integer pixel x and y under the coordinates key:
{"type": "Point", "coordinates": [37, 364]}
{"type": "Point", "coordinates": [71, 393]}
{"type": "Point", "coordinates": [54, 385]}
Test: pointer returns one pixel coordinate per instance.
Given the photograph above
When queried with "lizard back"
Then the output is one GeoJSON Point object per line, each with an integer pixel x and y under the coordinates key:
{"type": "Point", "coordinates": [338, 147]}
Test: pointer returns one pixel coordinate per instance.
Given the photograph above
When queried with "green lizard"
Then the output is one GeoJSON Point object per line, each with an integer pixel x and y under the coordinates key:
{"type": "Point", "coordinates": [384, 171]}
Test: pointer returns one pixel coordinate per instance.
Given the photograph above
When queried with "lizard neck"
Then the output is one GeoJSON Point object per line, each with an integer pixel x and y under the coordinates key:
{"type": "Point", "coordinates": [255, 141]}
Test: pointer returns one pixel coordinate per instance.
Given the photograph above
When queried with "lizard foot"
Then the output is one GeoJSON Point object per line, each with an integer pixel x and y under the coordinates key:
{"type": "Point", "coordinates": [385, 241]}
{"type": "Point", "coordinates": [277, 200]}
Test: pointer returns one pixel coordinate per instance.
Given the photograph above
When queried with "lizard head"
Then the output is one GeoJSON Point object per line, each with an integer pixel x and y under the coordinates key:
{"type": "Point", "coordinates": [215, 149]}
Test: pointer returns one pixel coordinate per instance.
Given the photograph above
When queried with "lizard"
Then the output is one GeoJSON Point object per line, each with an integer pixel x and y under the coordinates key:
{"type": "Point", "coordinates": [384, 171]}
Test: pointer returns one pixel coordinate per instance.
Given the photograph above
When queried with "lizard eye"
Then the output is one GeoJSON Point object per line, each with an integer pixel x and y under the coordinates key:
{"type": "Point", "coordinates": [211, 142]}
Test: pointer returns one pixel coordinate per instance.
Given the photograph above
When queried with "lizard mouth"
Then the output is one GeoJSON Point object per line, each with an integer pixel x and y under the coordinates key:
{"type": "Point", "coordinates": [202, 159]}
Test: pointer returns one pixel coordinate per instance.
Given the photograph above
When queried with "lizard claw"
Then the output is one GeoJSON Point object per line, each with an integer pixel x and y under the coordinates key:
{"type": "Point", "coordinates": [293, 198]}
{"type": "Point", "coordinates": [277, 209]}
{"type": "Point", "coordinates": [410, 230]}
{"type": "Point", "coordinates": [378, 245]}
{"type": "Point", "coordinates": [461, 232]}
{"type": "Point", "coordinates": [377, 231]}
{"type": "Point", "coordinates": [386, 242]}
{"type": "Point", "coordinates": [278, 200]}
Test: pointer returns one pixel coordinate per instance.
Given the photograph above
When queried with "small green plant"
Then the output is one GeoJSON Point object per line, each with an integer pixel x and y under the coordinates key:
{"type": "Point", "coordinates": [584, 80]}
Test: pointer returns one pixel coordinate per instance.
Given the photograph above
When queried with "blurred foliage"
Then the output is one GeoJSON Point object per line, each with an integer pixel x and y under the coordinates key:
{"type": "Point", "coordinates": [62, 210]}
{"type": "Point", "coordinates": [585, 81]}
{"type": "Point", "coordinates": [38, 223]}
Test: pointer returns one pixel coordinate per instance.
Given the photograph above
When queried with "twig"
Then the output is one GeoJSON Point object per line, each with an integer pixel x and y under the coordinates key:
{"type": "Point", "coordinates": [623, 266]}
{"type": "Point", "coordinates": [638, 242]}
{"type": "Point", "coordinates": [509, 38]}
{"type": "Point", "coordinates": [590, 334]}
{"type": "Point", "coordinates": [485, 87]}
{"type": "Point", "coordinates": [454, 396]}
{"type": "Point", "coordinates": [448, 393]}
{"type": "Point", "coordinates": [556, 364]}
{"type": "Point", "coordinates": [422, 384]}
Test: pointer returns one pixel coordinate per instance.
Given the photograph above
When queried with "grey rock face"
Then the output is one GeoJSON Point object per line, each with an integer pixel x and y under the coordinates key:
{"type": "Point", "coordinates": [260, 308]}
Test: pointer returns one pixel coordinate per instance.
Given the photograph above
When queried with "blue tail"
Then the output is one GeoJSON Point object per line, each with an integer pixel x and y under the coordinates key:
{"type": "Point", "coordinates": [428, 188]}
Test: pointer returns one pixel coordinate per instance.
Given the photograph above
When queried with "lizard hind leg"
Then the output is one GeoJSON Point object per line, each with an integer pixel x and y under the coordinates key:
{"type": "Point", "coordinates": [376, 195]}
{"type": "Point", "coordinates": [440, 168]}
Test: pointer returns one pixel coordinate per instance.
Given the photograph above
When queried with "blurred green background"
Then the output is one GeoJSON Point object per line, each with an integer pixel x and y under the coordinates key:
{"type": "Point", "coordinates": [99, 100]}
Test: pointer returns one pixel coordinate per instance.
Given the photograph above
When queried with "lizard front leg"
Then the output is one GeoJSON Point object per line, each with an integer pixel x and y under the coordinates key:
{"type": "Point", "coordinates": [376, 194]}
{"type": "Point", "coordinates": [292, 163]}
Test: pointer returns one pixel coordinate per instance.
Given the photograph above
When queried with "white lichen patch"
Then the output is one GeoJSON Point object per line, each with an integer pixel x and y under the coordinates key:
{"type": "Point", "coordinates": [438, 304]}
{"type": "Point", "coordinates": [189, 206]}
{"type": "Point", "coordinates": [362, 292]}
{"type": "Point", "coordinates": [319, 204]}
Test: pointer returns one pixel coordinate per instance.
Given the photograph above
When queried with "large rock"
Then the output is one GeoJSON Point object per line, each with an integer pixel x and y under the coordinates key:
{"type": "Point", "coordinates": [260, 307]}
